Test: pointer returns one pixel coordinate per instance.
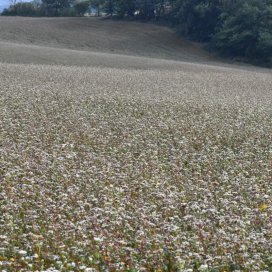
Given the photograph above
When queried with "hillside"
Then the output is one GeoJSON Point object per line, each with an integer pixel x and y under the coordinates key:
{"type": "Point", "coordinates": [125, 148]}
{"type": "Point", "coordinates": [100, 36]}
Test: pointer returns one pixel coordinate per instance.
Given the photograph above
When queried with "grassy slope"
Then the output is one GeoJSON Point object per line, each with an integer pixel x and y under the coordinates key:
{"type": "Point", "coordinates": [102, 36]}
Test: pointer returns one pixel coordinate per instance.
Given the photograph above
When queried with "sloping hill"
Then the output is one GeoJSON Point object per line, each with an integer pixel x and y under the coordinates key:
{"type": "Point", "coordinates": [103, 36]}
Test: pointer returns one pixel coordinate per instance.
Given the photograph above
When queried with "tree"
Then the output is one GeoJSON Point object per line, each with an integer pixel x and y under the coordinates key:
{"type": "Point", "coordinates": [125, 8]}
{"type": "Point", "coordinates": [246, 30]}
{"type": "Point", "coordinates": [81, 7]}
{"type": "Point", "coordinates": [21, 9]}
{"type": "Point", "coordinates": [53, 7]}
{"type": "Point", "coordinates": [197, 18]}
{"type": "Point", "coordinates": [109, 7]}
{"type": "Point", "coordinates": [97, 5]}
{"type": "Point", "coordinates": [146, 9]}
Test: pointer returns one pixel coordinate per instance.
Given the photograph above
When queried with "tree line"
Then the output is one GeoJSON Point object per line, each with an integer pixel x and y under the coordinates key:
{"type": "Point", "coordinates": [238, 28]}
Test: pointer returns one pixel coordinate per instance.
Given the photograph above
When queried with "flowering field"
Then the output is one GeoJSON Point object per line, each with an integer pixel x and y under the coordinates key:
{"type": "Point", "coordinates": [105, 169]}
{"type": "Point", "coordinates": [123, 162]}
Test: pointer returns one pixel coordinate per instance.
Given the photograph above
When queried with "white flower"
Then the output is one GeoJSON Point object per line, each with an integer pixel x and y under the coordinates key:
{"type": "Point", "coordinates": [203, 267]}
{"type": "Point", "coordinates": [98, 239]}
{"type": "Point", "coordinates": [22, 252]}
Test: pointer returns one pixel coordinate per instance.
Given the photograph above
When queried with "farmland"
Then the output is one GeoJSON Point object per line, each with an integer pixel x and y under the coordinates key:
{"type": "Point", "coordinates": [117, 154]}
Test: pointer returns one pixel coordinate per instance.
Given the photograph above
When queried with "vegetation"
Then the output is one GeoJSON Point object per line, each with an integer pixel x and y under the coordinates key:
{"type": "Point", "coordinates": [54, 7]}
{"type": "Point", "coordinates": [235, 28]}
{"type": "Point", "coordinates": [106, 169]}
{"type": "Point", "coordinates": [81, 7]}
{"type": "Point", "coordinates": [130, 163]}
{"type": "Point", "coordinates": [246, 30]}
{"type": "Point", "coordinates": [23, 9]}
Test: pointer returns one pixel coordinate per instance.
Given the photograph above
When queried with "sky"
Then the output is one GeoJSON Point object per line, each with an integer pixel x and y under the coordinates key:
{"type": "Point", "coordinates": [6, 3]}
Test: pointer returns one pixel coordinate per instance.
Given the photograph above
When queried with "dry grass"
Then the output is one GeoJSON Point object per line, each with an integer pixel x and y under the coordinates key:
{"type": "Point", "coordinates": [105, 36]}
{"type": "Point", "coordinates": [134, 169]}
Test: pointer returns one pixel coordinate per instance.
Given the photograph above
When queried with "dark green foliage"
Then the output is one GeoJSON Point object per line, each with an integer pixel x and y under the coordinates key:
{"type": "Point", "coordinates": [197, 18]}
{"type": "Point", "coordinates": [246, 30]}
{"type": "Point", "coordinates": [54, 7]}
{"type": "Point", "coordinates": [23, 9]}
{"type": "Point", "coordinates": [125, 8]}
{"type": "Point", "coordinates": [81, 7]}
{"type": "Point", "coordinates": [41, 8]}
{"type": "Point", "coordinates": [109, 7]}
{"type": "Point", "coordinates": [146, 9]}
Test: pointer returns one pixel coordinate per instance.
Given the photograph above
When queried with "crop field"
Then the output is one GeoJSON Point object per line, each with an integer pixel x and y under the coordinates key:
{"type": "Point", "coordinates": [133, 161]}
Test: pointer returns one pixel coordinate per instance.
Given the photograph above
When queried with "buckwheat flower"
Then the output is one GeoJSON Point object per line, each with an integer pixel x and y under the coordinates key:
{"type": "Point", "coordinates": [88, 269]}
{"type": "Point", "coordinates": [22, 252]}
{"type": "Point", "coordinates": [203, 267]}
{"type": "Point", "coordinates": [35, 256]}
{"type": "Point", "coordinates": [98, 239]}
{"type": "Point", "coordinates": [180, 262]}
{"type": "Point", "coordinates": [72, 264]}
